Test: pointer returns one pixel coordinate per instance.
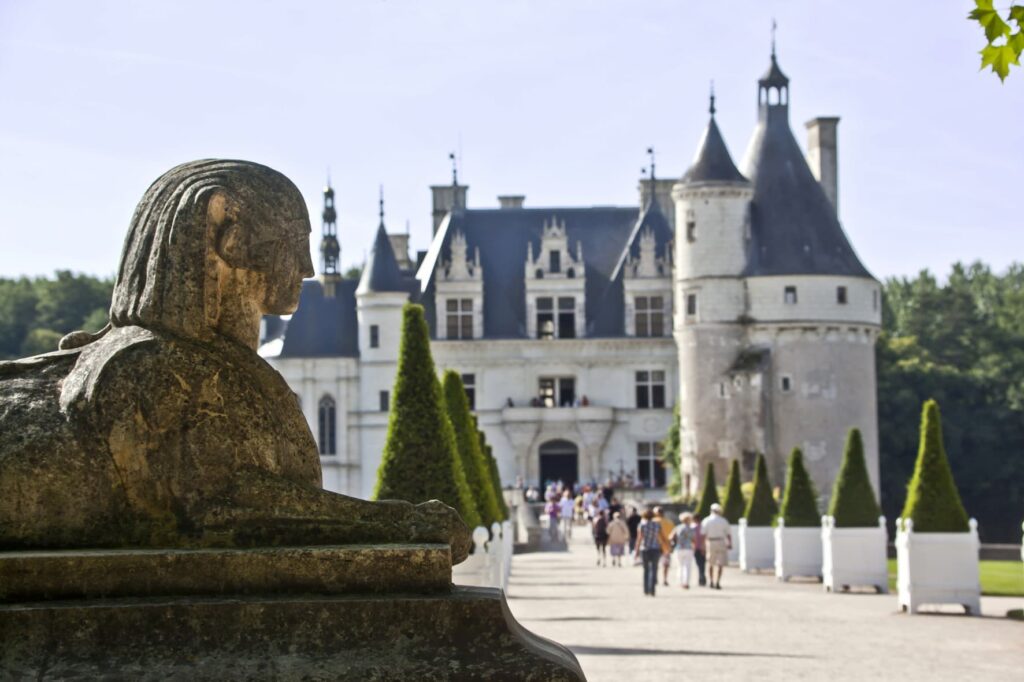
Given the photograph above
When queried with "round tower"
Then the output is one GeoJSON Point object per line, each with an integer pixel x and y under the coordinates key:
{"type": "Point", "coordinates": [712, 202]}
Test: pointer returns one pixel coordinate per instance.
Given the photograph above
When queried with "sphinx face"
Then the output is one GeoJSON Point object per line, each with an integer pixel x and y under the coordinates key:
{"type": "Point", "coordinates": [289, 264]}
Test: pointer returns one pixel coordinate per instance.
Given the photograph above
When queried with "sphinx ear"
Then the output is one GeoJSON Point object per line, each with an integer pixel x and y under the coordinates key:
{"type": "Point", "coordinates": [227, 235]}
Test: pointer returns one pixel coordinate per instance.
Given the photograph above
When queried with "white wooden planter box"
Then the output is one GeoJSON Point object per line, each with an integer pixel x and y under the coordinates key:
{"type": "Point", "coordinates": [797, 552]}
{"type": "Point", "coordinates": [757, 547]}
{"type": "Point", "coordinates": [734, 551]}
{"type": "Point", "coordinates": [937, 568]}
{"type": "Point", "coordinates": [854, 556]}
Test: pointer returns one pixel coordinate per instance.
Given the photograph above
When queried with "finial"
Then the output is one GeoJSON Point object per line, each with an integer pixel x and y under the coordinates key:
{"type": "Point", "coordinates": [650, 153]}
{"type": "Point", "coordinates": [712, 107]}
{"type": "Point", "coordinates": [455, 169]}
{"type": "Point", "coordinates": [774, 26]}
{"type": "Point", "coordinates": [381, 203]}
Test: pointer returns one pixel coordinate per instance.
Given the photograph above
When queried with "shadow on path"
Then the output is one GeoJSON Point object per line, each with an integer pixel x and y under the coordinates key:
{"type": "Point", "coordinates": [626, 651]}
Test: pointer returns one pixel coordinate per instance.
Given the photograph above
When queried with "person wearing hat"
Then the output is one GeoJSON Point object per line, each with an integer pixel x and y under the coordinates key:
{"type": "Point", "coordinates": [718, 542]}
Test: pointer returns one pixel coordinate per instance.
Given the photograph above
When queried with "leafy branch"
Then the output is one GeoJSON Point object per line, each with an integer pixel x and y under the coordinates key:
{"type": "Point", "coordinates": [1004, 44]}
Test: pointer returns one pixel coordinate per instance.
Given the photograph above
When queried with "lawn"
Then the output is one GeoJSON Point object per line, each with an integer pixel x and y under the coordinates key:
{"type": "Point", "coordinates": [998, 578]}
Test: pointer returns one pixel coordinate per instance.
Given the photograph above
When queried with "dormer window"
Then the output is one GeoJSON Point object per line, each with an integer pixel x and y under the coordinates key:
{"type": "Point", "coordinates": [649, 315]}
{"type": "Point", "coordinates": [555, 261]}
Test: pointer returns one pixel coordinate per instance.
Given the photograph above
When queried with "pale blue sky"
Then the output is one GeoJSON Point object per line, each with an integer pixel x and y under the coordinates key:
{"type": "Point", "coordinates": [554, 100]}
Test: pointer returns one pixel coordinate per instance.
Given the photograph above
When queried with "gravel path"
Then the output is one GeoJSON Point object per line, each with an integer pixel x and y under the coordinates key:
{"type": "Point", "coordinates": [754, 628]}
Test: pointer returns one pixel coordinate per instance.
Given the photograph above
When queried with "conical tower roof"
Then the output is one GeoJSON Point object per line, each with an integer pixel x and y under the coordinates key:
{"type": "Point", "coordinates": [381, 272]}
{"type": "Point", "coordinates": [794, 227]}
{"type": "Point", "coordinates": [712, 163]}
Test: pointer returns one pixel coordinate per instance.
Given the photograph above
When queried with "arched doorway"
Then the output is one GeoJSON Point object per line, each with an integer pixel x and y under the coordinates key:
{"type": "Point", "coordinates": [559, 461]}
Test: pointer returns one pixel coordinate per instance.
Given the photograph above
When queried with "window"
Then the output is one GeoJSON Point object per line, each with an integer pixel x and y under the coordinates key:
{"type": "Point", "coordinates": [566, 317]}
{"type": "Point", "coordinates": [790, 295]}
{"type": "Point", "coordinates": [691, 305]}
{"type": "Point", "coordinates": [557, 391]}
{"type": "Point", "coordinates": [545, 318]}
{"type": "Point", "coordinates": [374, 336]}
{"type": "Point", "coordinates": [874, 299]}
{"type": "Point", "coordinates": [469, 383]}
{"type": "Point", "coordinates": [326, 421]}
{"type": "Point", "coordinates": [384, 401]}
{"type": "Point", "coordinates": [786, 383]}
{"type": "Point", "coordinates": [650, 389]}
{"type": "Point", "coordinates": [723, 390]}
{"type": "Point", "coordinates": [459, 318]}
{"type": "Point", "coordinates": [841, 295]}
{"type": "Point", "coordinates": [555, 261]}
{"type": "Point", "coordinates": [649, 467]}
{"type": "Point", "coordinates": [691, 226]}
{"type": "Point", "coordinates": [650, 315]}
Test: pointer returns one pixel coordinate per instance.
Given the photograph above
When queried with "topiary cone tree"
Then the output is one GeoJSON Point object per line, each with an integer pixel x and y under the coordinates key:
{"type": "Point", "coordinates": [708, 493]}
{"type": "Point", "coordinates": [421, 460]}
{"type": "Point", "coordinates": [761, 507]}
{"type": "Point", "coordinates": [732, 507]}
{"type": "Point", "coordinates": [853, 503]}
{"type": "Point", "coordinates": [933, 502]}
{"type": "Point", "coordinates": [800, 502]}
{"type": "Point", "coordinates": [473, 464]}
{"type": "Point", "coordinates": [492, 467]}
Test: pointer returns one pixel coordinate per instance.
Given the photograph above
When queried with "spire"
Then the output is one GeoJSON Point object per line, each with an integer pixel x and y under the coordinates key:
{"type": "Point", "coordinates": [330, 249]}
{"type": "Point", "coordinates": [381, 272]}
{"type": "Point", "coordinates": [712, 162]}
{"type": "Point", "coordinates": [455, 169]}
{"type": "Point", "coordinates": [380, 210]}
{"type": "Point", "coordinates": [650, 153]}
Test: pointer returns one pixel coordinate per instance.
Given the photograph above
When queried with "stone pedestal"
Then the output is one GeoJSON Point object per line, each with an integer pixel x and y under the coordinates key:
{"type": "Point", "coordinates": [329, 613]}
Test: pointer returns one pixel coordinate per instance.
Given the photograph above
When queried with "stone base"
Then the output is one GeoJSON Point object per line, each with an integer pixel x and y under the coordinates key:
{"type": "Point", "coordinates": [275, 617]}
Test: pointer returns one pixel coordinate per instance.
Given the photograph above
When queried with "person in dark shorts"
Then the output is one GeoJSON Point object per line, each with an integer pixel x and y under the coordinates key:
{"type": "Point", "coordinates": [600, 531]}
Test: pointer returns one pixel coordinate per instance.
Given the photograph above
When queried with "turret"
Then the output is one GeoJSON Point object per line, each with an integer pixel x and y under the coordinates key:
{"type": "Point", "coordinates": [330, 249]}
{"type": "Point", "coordinates": [379, 299]}
{"type": "Point", "coordinates": [711, 201]}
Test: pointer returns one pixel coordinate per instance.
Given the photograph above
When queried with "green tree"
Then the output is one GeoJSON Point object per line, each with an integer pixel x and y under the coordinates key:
{"type": "Point", "coordinates": [1003, 44]}
{"type": "Point", "coordinates": [800, 501]}
{"type": "Point", "coordinates": [670, 457]}
{"type": "Point", "coordinates": [67, 299]}
{"type": "Point", "coordinates": [761, 507]}
{"type": "Point", "coordinates": [40, 341]}
{"type": "Point", "coordinates": [734, 504]}
{"type": "Point", "coordinates": [933, 502]}
{"type": "Point", "coordinates": [492, 466]}
{"type": "Point", "coordinates": [468, 442]}
{"type": "Point", "coordinates": [18, 301]}
{"type": "Point", "coordinates": [421, 459]}
{"type": "Point", "coordinates": [853, 503]}
{"type": "Point", "coordinates": [708, 493]}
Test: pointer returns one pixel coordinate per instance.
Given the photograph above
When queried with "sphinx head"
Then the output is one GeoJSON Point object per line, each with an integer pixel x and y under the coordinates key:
{"type": "Point", "coordinates": [212, 246]}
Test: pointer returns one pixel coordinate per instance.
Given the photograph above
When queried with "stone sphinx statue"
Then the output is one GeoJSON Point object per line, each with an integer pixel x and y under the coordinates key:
{"type": "Point", "coordinates": [166, 429]}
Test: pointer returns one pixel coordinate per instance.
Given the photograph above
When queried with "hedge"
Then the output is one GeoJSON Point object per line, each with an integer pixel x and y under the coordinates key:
{"type": "Point", "coordinates": [492, 467]}
{"type": "Point", "coordinates": [466, 439]}
{"type": "Point", "coordinates": [933, 502]}
{"type": "Point", "coordinates": [800, 501]}
{"type": "Point", "coordinates": [761, 508]}
{"type": "Point", "coordinates": [708, 494]}
{"type": "Point", "coordinates": [853, 503]}
{"type": "Point", "coordinates": [732, 507]}
{"type": "Point", "coordinates": [421, 459]}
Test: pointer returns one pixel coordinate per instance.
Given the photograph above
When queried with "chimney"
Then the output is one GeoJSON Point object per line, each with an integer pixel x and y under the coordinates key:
{"type": "Point", "coordinates": [511, 200]}
{"type": "Point", "coordinates": [400, 245]}
{"type": "Point", "coordinates": [447, 198]}
{"type": "Point", "coordinates": [823, 155]}
{"type": "Point", "coordinates": [662, 188]}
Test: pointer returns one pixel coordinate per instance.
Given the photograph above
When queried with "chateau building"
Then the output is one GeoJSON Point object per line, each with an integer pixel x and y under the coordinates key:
{"type": "Point", "coordinates": [732, 291]}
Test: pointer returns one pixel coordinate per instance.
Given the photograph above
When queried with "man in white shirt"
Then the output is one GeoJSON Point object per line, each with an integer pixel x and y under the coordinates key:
{"type": "Point", "coordinates": [717, 542]}
{"type": "Point", "coordinates": [566, 511]}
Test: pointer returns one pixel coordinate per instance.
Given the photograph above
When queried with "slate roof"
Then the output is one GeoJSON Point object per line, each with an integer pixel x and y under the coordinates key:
{"type": "Point", "coordinates": [502, 236]}
{"type": "Point", "coordinates": [712, 162]}
{"type": "Point", "coordinates": [794, 227]}
{"type": "Point", "coordinates": [381, 272]}
{"type": "Point", "coordinates": [651, 219]}
{"type": "Point", "coordinates": [774, 76]}
{"type": "Point", "coordinates": [323, 327]}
